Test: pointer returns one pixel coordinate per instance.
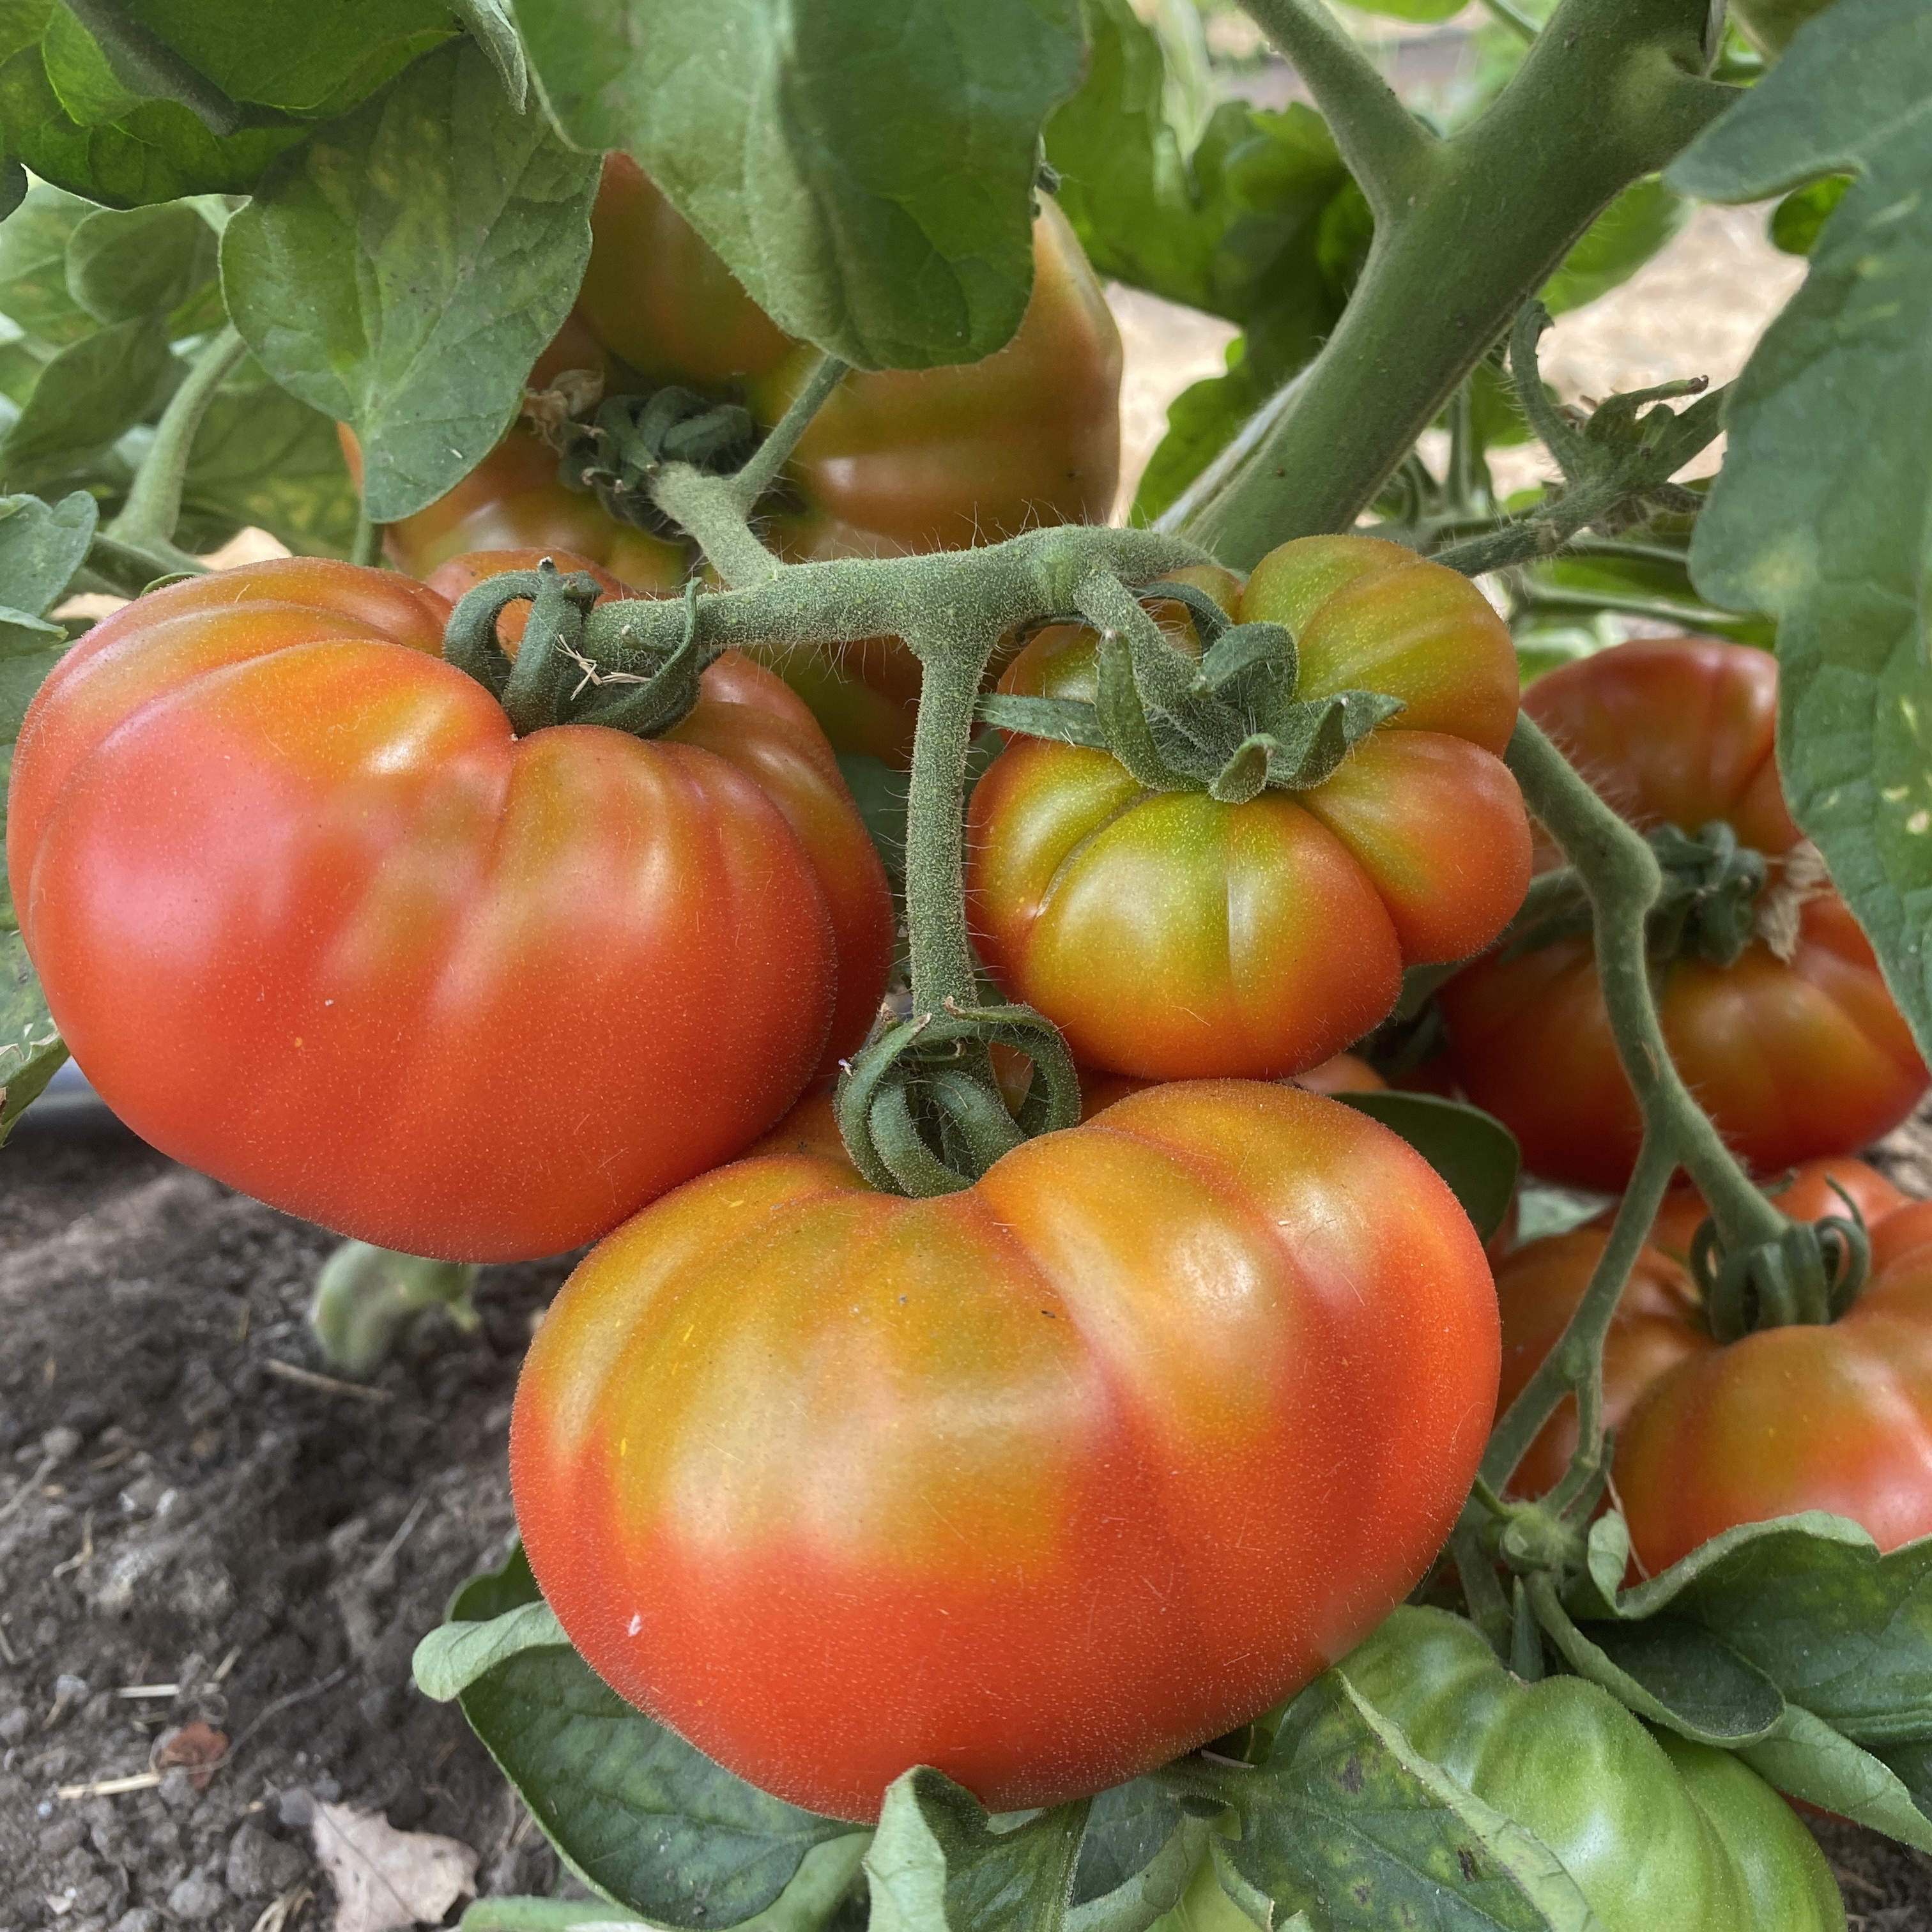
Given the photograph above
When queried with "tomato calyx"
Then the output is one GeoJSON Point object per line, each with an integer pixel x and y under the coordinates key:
{"type": "Point", "coordinates": [1712, 905]}
{"type": "Point", "coordinates": [919, 1112]}
{"type": "Point", "coordinates": [1227, 722]}
{"type": "Point", "coordinates": [615, 453]}
{"type": "Point", "coordinates": [553, 677]}
{"type": "Point", "coordinates": [1809, 1275]}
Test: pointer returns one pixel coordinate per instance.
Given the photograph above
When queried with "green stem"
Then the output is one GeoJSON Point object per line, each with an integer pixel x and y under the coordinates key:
{"type": "Point", "coordinates": [1620, 872]}
{"type": "Point", "coordinates": [367, 548]}
{"type": "Point", "coordinates": [1389, 153]}
{"type": "Point", "coordinates": [1576, 1364]}
{"type": "Point", "coordinates": [761, 471]}
{"type": "Point", "coordinates": [1606, 93]}
{"type": "Point", "coordinates": [952, 663]}
{"type": "Point", "coordinates": [147, 518]}
{"type": "Point", "coordinates": [708, 507]}
{"type": "Point", "coordinates": [1541, 597]}
{"type": "Point", "coordinates": [126, 571]}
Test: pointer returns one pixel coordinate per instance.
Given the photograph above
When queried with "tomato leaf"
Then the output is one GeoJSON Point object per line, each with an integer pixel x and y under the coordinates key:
{"type": "Point", "coordinates": [1475, 1154]}
{"type": "Point", "coordinates": [403, 268]}
{"type": "Point", "coordinates": [1202, 422]}
{"type": "Point", "coordinates": [489, 21]}
{"type": "Point", "coordinates": [938, 1865]}
{"type": "Point", "coordinates": [1819, 515]}
{"type": "Point", "coordinates": [633, 1810]}
{"type": "Point", "coordinates": [86, 398]}
{"type": "Point", "coordinates": [42, 545]}
{"type": "Point", "coordinates": [1807, 1759]}
{"type": "Point", "coordinates": [144, 261]}
{"type": "Point", "coordinates": [33, 290]}
{"type": "Point", "coordinates": [157, 151]}
{"type": "Point", "coordinates": [262, 458]}
{"type": "Point", "coordinates": [1345, 1818]}
{"type": "Point", "coordinates": [797, 137]}
{"type": "Point", "coordinates": [1128, 1828]}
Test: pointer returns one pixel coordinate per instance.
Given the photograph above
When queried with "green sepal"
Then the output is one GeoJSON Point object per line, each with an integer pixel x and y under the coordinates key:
{"type": "Point", "coordinates": [1122, 711]}
{"type": "Point", "coordinates": [1314, 736]}
{"type": "Point", "coordinates": [1066, 720]}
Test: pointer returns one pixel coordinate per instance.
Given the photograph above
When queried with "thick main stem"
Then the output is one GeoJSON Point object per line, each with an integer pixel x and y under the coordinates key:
{"type": "Point", "coordinates": [1607, 93]}
{"type": "Point", "coordinates": [1620, 873]}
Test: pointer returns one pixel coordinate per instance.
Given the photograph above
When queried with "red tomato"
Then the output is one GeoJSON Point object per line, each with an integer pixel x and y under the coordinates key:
{"type": "Point", "coordinates": [1790, 1059]}
{"type": "Point", "coordinates": [1171, 936]}
{"type": "Point", "coordinates": [1659, 1328]}
{"type": "Point", "coordinates": [1042, 1482]}
{"type": "Point", "coordinates": [315, 922]}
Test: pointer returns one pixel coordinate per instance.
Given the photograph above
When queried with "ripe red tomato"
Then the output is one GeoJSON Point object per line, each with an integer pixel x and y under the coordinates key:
{"type": "Point", "coordinates": [1041, 1483]}
{"type": "Point", "coordinates": [313, 921]}
{"type": "Point", "coordinates": [1171, 936]}
{"type": "Point", "coordinates": [1791, 1058]}
{"type": "Point", "coordinates": [1734, 1443]}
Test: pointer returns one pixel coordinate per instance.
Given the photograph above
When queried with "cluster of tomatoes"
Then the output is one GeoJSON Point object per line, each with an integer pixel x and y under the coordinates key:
{"type": "Point", "coordinates": [1047, 1481]}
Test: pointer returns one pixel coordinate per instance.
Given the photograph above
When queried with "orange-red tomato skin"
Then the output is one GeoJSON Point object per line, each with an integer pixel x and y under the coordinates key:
{"type": "Point", "coordinates": [314, 920]}
{"type": "Point", "coordinates": [1041, 1483]}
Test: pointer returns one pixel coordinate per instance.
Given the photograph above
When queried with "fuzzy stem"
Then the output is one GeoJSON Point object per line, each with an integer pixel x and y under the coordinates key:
{"type": "Point", "coordinates": [1607, 92]}
{"type": "Point", "coordinates": [1620, 873]}
{"type": "Point", "coordinates": [761, 471]}
{"type": "Point", "coordinates": [147, 518]}
{"type": "Point", "coordinates": [710, 507]}
{"type": "Point", "coordinates": [1389, 152]}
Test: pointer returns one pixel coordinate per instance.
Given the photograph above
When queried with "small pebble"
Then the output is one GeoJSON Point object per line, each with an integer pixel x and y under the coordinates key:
{"type": "Point", "coordinates": [196, 1897]}
{"type": "Point", "coordinates": [296, 1809]}
{"type": "Point", "coordinates": [15, 1725]}
{"type": "Point", "coordinates": [260, 1867]}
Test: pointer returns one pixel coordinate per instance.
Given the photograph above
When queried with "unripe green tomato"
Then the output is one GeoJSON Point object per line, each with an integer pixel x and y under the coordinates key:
{"type": "Point", "coordinates": [1657, 1832]}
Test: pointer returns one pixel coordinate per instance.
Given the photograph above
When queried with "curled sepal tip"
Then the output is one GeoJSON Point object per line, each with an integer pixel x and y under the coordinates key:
{"type": "Point", "coordinates": [1809, 1275]}
{"type": "Point", "coordinates": [920, 1111]}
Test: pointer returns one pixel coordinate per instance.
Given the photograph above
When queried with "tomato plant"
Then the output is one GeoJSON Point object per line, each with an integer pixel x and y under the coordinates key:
{"type": "Point", "coordinates": [1081, 1442]}
{"type": "Point", "coordinates": [1771, 1002]}
{"type": "Point", "coordinates": [1172, 932]}
{"type": "Point", "coordinates": [354, 899]}
{"type": "Point", "coordinates": [332, 854]}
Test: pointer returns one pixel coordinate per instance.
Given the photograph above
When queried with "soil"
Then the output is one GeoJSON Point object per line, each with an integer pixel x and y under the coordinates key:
{"type": "Point", "coordinates": [177, 1510]}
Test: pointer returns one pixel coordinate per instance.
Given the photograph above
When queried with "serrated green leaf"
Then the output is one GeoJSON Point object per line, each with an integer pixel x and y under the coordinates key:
{"type": "Point", "coordinates": [1127, 1825]}
{"type": "Point", "coordinates": [1820, 514]}
{"type": "Point", "coordinates": [33, 290]}
{"type": "Point", "coordinates": [41, 546]}
{"type": "Point", "coordinates": [1346, 1818]}
{"type": "Point", "coordinates": [87, 396]}
{"type": "Point", "coordinates": [159, 151]}
{"type": "Point", "coordinates": [77, 70]}
{"type": "Point", "coordinates": [403, 269]}
{"type": "Point", "coordinates": [1475, 1154]}
{"type": "Point", "coordinates": [1677, 1674]}
{"type": "Point", "coordinates": [1645, 216]}
{"type": "Point", "coordinates": [937, 1864]}
{"type": "Point", "coordinates": [144, 261]}
{"type": "Point", "coordinates": [797, 137]}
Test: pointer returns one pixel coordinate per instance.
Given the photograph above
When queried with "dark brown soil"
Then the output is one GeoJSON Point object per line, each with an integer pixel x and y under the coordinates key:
{"type": "Point", "coordinates": [174, 1511]}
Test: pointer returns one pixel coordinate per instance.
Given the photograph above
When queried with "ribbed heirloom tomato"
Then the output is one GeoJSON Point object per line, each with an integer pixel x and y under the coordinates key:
{"type": "Point", "coordinates": [1793, 1052]}
{"type": "Point", "coordinates": [1170, 935]}
{"type": "Point", "coordinates": [1832, 1416]}
{"type": "Point", "coordinates": [1043, 1482]}
{"type": "Point", "coordinates": [315, 921]}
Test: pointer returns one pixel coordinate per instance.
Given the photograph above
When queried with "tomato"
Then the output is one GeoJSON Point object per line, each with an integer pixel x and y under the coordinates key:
{"type": "Point", "coordinates": [1791, 1059]}
{"type": "Point", "coordinates": [899, 459]}
{"type": "Point", "coordinates": [1836, 1418]}
{"type": "Point", "coordinates": [454, 992]}
{"type": "Point", "coordinates": [1656, 1832]}
{"type": "Point", "coordinates": [1042, 1482]}
{"type": "Point", "coordinates": [1171, 936]}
